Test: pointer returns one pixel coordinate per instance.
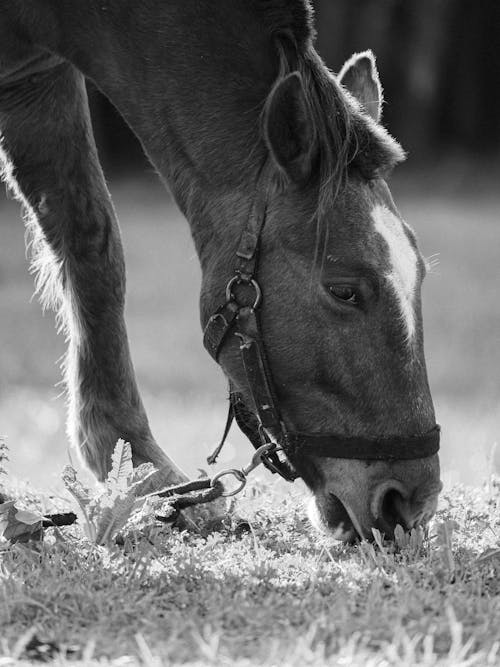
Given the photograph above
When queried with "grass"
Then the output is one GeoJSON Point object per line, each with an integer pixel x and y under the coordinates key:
{"type": "Point", "coordinates": [276, 594]}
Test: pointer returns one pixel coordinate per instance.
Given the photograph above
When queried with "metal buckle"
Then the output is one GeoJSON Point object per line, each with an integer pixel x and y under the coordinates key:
{"type": "Point", "coordinates": [259, 456]}
{"type": "Point", "coordinates": [238, 280]}
{"type": "Point", "coordinates": [235, 473]}
{"type": "Point", "coordinates": [241, 475]}
{"type": "Point", "coordinates": [279, 466]}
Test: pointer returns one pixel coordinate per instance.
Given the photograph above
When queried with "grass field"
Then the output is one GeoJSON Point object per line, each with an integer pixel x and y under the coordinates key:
{"type": "Point", "coordinates": [275, 594]}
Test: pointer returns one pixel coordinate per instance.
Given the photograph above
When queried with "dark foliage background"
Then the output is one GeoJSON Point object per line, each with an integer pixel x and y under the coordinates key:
{"type": "Point", "coordinates": [439, 65]}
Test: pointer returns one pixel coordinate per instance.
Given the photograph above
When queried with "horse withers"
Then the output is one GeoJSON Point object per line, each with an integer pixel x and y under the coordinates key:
{"type": "Point", "coordinates": [311, 280]}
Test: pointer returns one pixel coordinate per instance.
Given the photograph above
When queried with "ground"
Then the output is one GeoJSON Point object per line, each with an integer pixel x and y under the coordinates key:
{"type": "Point", "coordinates": [279, 593]}
{"type": "Point", "coordinates": [276, 593]}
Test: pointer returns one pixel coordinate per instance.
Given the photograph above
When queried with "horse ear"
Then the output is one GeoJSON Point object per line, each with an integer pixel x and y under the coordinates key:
{"type": "Point", "coordinates": [289, 128]}
{"type": "Point", "coordinates": [360, 76]}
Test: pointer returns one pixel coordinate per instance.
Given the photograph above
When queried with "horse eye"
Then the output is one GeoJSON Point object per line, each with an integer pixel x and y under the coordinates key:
{"type": "Point", "coordinates": [344, 293]}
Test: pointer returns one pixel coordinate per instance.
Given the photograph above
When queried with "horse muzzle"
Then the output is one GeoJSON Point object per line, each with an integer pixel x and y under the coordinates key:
{"type": "Point", "coordinates": [356, 496]}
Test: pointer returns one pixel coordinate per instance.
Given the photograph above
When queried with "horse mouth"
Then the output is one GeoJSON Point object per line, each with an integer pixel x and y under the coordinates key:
{"type": "Point", "coordinates": [332, 516]}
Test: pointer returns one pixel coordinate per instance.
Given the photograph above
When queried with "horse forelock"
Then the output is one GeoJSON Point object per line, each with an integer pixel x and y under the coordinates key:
{"type": "Point", "coordinates": [346, 137]}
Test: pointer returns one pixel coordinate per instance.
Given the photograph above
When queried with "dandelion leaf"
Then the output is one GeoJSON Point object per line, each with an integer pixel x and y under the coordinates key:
{"type": "Point", "coordinates": [4, 455]}
{"type": "Point", "coordinates": [79, 492]}
{"type": "Point", "coordinates": [121, 465]}
{"type": "Point", "coordinates": [111, 517]}
{"type": "Point", "coordinates": [19, 525]}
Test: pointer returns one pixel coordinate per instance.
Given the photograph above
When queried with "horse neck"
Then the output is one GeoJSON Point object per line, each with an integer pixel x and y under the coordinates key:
{"type": "Point", "coordinates": [191, 92]}
{"type": "Point", "coordinates": [211, 169]}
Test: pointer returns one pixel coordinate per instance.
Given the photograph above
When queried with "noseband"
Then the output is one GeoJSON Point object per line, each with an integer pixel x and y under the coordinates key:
{"type": "Point", "coordinates": [239, 316]}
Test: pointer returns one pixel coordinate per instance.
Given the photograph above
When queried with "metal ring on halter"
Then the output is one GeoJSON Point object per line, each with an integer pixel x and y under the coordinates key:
{"type": "Point", "coordinates": [237, 280]}
{"type": "Point", "coordinates": [235, 473]}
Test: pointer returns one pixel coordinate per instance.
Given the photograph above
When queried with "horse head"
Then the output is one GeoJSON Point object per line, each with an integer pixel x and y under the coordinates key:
{"type": "Point", "coordinates": [341, 317]}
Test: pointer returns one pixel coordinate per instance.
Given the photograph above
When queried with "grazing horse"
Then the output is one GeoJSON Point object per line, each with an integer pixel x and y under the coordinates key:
{"type": "Point", "coordinates": [279, 167]}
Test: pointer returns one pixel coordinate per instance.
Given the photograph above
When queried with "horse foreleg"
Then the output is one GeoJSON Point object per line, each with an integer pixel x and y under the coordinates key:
{"type": "Point", "coordinates": [50, 162]}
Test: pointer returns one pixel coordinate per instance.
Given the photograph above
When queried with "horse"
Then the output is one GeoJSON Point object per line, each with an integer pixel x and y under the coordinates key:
{"type": "Point", "coordinates": [311, 280]}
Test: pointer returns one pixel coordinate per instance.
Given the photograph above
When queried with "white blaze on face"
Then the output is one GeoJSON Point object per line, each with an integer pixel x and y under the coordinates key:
{"type": "Point", "coordinates": [404, 272]}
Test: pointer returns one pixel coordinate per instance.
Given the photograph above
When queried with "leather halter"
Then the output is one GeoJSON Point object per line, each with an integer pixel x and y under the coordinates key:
{"type": "Point", "coordinates": [238, 316]}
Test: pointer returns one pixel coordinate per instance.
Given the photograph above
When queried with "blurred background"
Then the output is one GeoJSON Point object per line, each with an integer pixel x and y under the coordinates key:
{"type": "Point", "coordinates": [438, 60]}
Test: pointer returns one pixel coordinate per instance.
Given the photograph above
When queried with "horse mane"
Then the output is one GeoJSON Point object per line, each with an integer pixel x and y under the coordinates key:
{"type": "Point", "coordinates": [347, 138]}
{"type": "Point", "coordinates": [292, 17]}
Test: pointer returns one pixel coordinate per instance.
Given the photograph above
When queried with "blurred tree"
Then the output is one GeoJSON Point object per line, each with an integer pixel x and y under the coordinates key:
{"type": "Point", "coordinates": [438, 61]}
{"type": "Point", "coordinates": [468, 109]}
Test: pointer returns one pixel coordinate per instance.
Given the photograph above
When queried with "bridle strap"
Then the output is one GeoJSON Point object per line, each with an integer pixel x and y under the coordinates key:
{"type": "Point", "coordinates": [366, 449]}
{"type": "Point", "coordinates": [218, 326]}
{"type": "Point", "coordinates": [241, 319]}
{"type": "Point", "coordinates": [259, 382]}
{"type": "Point", "coordinates": [255, 365]}
{"type": "Point", "coordinates": [246, 420]}
{"type": "Point", "coordinates": [229, 422]}
{"type": "Point", "coordinates": [222, 321]}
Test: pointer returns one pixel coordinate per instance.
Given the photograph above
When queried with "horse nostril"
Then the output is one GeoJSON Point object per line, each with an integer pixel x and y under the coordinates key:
{"type": "Point", "coordinates": [392, 510]}
{"type": "Point", "coordinates": [391, 507]}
